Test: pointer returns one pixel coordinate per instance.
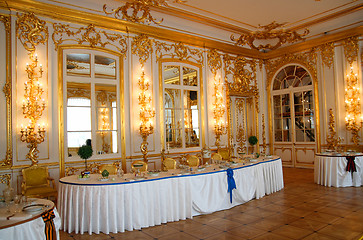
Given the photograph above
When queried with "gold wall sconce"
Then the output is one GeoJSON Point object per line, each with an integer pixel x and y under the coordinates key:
{"type": "Point", "coordinates": [272, 31]}
{"type": "Point", "coordinates": [352, 106]}
{"type": "Point", "coordinates": [218, 111]}
{"type": "Point", "coordinates": [33, 108]}
{"type": "Point", "coordinates": [105, 127]}
{"type": "Point", "coordinates": [146, 114]}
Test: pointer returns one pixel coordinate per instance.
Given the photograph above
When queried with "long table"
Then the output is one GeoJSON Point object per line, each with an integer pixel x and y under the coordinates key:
{"type": "Point", "coordinates": [121, 204]}
{"type": "Point", "coordinates": [330, 170]}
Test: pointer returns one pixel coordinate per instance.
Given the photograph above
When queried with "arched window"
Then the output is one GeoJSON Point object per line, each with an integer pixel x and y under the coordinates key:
{"type": "Point", "coordinates": [293, 105]}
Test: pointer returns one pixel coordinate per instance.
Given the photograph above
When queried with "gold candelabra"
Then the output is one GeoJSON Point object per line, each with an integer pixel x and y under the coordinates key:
{"type": "Point", "coordinates": [33, 108]}
{"type": "Point", "coordinates": [105, 126]}
{"type": "Point", "coordinates": [352, 106]}
{"type": "Point", "coordinates": [332, 140]}
{"type": "Point", "coordinates": [219, 110]}
{"type": "Point", "coordinates": [146, 114]}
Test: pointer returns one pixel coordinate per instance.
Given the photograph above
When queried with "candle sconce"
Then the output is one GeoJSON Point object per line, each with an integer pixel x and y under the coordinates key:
{"type": "Point", "coordinates": [146, 114]}
{"type": "Point", "coordinates": [33, 108]}
{"type": "Point", "coordinates": [218, 111]}
{"type": "Point", "coordinates": [352, 106]}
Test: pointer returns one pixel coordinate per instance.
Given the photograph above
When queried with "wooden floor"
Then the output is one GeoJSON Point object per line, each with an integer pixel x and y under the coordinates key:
{"type": "Point", "coordinates": [302, 210]}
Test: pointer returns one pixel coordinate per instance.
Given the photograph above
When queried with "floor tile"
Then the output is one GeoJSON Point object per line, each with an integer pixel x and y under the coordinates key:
{"type": "Point", "coordinates": [292, 232]}
{"type": "Point", "coordinates": [159, 231]}
{"type": "Point", "coordinates": [204, 232]}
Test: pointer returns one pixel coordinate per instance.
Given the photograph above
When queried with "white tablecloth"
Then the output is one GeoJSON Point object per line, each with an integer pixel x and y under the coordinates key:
{"type": "Point", "coordinates": [119, 205]}
{"type": "Point", "coordinates": [331, 171]}
{"type": "Point", "coordinates": [30, 230]}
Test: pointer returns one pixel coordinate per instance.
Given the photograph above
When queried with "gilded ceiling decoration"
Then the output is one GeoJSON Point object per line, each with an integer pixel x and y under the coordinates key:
{"type": "Point", "coordinates": [351, 49]}
{"type": "Point", "coordinates": [88, 35]}
{"type": "Point", "coordinates": [327, 54]}
{"type": "Point", "coordinates": [142, 46]}
{"type": "Point", "coordinates": [214, 61]}
{"type": "Point", "coordinates": [268, 32]}
{"type": "Point", "coordinates": [243, 72]}
{"type": "Point", "coordinates": [31, 31]}
{"type": "Point", "coordinates": [138, 11]}
{"type": "Point", "coordinates": [179, 51]}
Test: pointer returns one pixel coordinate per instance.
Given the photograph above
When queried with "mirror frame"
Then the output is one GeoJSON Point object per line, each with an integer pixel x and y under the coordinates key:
{"type": "Point", "coordinates": [161, 100]}
{"type": "Point", "coordinates": [121, 56]}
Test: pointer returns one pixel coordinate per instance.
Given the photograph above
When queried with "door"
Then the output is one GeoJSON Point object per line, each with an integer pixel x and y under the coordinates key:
{"type": "Point", "coordinates": [293, 117]}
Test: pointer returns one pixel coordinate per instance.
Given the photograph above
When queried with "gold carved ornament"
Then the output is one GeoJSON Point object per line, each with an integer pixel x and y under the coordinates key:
{"type": "Point", "coordinates": [31, 31]}
{"type": "Point", "coordinates": [142, 46]}
{"type": "Point", "coordinates": [214, 61]}
{"type": "Point", "coordinates": [351, 49]}
{"type": "Point", "coordinates": [138, 11]}
{"type": "Point", "coordinates": [244, 81]}
{"type": "Point", "coordinates": [6, 20]}
{"type": "Point", "coordinates": [179, 51]}
{"type": "Point", "coordinates": [5, 179]}
{"type": "Point", "coordinates": [241, 135]}
{"type": "Point", "coordinates": [218, 111]}
{"type": "Point", "coordinates": [327, 54]}
{"type": "Point", "coordinates": [89, 35]}
{"type": "Point", "coordinates": [263, 134]}
{"type": "Point", "coordinates": [267, 32]}
{"type": "Point", "coordinates": [332, 140]}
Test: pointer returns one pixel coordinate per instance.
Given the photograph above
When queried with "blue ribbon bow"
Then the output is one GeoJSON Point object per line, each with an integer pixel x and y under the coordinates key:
{"type": "Point", "coordinates": [231, 182]}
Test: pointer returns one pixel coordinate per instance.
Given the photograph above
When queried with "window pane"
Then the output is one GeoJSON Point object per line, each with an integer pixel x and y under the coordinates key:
{"type": "Point", "coordinates": [78, 64]}
{"type": "Point", "coordinates": [171, 75]}
{"type": "Point", "coordinates": [190, 77]}
{"type": "Point", "coordinates": [105, 67]}
{"type": "Point", "coordinates": [78, 118]}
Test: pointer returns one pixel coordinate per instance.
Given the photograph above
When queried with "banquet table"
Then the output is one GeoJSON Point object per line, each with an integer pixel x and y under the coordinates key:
{"type": "Point", "coordinates": [126, 203]}
{"type": "Point", "coordinates": [27, 224]}
{"type": "Point", "coordinates": [330, 170]}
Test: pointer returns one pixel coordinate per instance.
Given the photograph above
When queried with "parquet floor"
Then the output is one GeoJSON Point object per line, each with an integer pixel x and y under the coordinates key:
{"type": "Point", "coordinates": [302, 210]}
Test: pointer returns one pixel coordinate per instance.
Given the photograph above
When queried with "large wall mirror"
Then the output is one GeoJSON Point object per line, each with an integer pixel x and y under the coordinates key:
{"type": "Point", "coordinates": [181, 105]}
{"type": "Point", "coordinates": [91, 100]}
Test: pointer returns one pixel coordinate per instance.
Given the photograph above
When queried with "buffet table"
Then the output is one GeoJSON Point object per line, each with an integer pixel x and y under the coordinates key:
{"type": "Point", "coordinates": [126, 203]}
{"type": "Point", "coordinates": [27, 224]}
{"type": "Point", "coordinates": [330, 170]}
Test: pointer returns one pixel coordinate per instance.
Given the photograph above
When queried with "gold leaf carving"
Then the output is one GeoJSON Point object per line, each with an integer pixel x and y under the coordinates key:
{"type": "Point", "coordinates": [142, 46]}
{"type": "Point", "coordinates": [7, 22]}
{"type": "Point", "coordinates": [5, 179]}
{"type": "Point", "coordinates": [351, 49]}
{"type": "Point", "coordinates": [88, 35]}
{"type": "Point", "coordinates": [214, 61]}
{"type": "Point", "coordinates": [327, 54]}
{"type": "Point", "coordinates": [243, 73]}
{"type": "Point", "coordinates": [178, 51]}
{"type": "Point", "coordinates": [31, 31]}
{"type": "Point", "coordinates": [138, 10]}
{"type": "Point", "coordinates": [270, 31]}
{"type": "Point", "coordinates": [240, 136]}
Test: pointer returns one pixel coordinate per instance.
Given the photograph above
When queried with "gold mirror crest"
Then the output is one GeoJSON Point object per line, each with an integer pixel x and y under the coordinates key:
{"type": "Point", "coordinates": [142, 46]}
{"type": "Point", "coordinates": [90, 35]}
{"type": "Point", "coordinates": [138, 11]}
{"type": "Point", "coordinates": [31, 31]}
{"type": "Point", "coordinates": [214, 61]}
{"type": "Point", "coordinates": [181, 52]}
{"type": "Point", "coordinates": [267, 32]}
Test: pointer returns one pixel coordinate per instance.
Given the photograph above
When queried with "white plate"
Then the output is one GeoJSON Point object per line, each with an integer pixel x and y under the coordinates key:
{"type": "Point", "coordinates": [103, 179]}
{"type": "Point", "coordinates": [200, 169]}
{"type": "Point", "coordinates": [153, 174]}
{"type": "Point", "coordinates": [33, 209]}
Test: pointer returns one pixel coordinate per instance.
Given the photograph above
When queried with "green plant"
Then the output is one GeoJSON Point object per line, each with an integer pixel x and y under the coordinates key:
{"type": "Point", "coordinates": [253, 140]}
{"type": "Point", "coordinates": [85, 152]}
{"type": "Point", "coordinates": [105, 173]}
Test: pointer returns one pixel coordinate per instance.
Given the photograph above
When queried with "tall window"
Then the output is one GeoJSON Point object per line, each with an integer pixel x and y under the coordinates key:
{"type": "Point", "coordinates": [293, 106]}
{"type": "Point", "coordinates": [181, 105]}
{"type": "Point", "coordinates": [92, 86]}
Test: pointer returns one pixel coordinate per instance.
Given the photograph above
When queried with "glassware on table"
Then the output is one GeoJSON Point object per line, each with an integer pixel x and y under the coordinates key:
{"type": "Point", "coordinates": [17, 201]}
{"type": "Point", "coordinates": [8, 196]}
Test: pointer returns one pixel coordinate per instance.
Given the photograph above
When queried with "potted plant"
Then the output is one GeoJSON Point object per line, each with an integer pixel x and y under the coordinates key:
{"type": "Point", "coordinates": [85, 152]}
{"type": "Point", "coordinates": [253, 141]}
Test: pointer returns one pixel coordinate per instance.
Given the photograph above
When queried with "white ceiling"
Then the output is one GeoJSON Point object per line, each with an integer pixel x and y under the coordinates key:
{"type": "Point", "coordinates": [248, 14]}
